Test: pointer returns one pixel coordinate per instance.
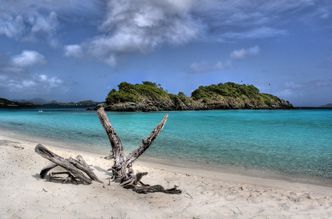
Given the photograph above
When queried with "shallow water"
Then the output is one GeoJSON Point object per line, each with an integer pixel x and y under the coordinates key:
{"type": "Point", "coordinates": [292, 142]}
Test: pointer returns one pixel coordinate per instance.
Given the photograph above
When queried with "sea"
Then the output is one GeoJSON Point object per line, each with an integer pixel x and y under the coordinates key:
{"type": "Point", "coordinates": [286, 143]}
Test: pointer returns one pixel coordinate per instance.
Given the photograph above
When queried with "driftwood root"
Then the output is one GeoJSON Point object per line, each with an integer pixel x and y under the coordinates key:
{"type": "Point", "coordinates": [76, 170]}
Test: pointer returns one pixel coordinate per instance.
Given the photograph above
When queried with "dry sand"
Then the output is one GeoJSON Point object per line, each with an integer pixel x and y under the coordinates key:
{"type": "Point", "coordinates": [206, 194]}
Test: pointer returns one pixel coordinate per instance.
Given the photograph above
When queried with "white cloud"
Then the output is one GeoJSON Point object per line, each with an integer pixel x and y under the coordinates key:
{"type": "Point", "coordinates": [44, 24]}
{"type": "Point", "coordinates": [28, 58]}
{"type": "Point", "coordinates": [51, 82]}
{"type": "Point", "coordinates": [255, 33]}
{"type": "Point", "coordinates": [302, 88]}
{"type": "Point", "coordinates": [245, 52]}
{"type": "Point", "coordinates": [205, 67]}
{"type": "Point", "coordinates": [286, 93]}
{"type": "Point", "coordinates": [73, 50]}
{"type": "Point", "coordinates": [323, 13]}
{"type": "Point", "coordinates": [11, 26]}
{"type": "Point", "coordinates": [15, 75]}
{"type": "Point", "coordinates": [28, 83]}
{"type": "Point", "coordinates": [292, 85]}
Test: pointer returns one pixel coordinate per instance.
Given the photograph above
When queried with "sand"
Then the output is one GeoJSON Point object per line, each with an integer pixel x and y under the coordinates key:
{"type": "Point", "coordinates": [206, 194]}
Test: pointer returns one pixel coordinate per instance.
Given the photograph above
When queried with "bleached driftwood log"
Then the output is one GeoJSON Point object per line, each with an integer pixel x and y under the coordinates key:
{"type": "Point", "coordinates": [122, 171]}
{"type": "Point", "coordinates": [77, 170]}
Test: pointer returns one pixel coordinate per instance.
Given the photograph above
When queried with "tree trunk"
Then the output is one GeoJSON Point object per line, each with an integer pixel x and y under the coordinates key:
{"type": "Point", "coordinates": [122, 171]}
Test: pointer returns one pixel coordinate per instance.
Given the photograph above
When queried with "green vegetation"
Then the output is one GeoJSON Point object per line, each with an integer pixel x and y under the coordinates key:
{"type": "Point", "coordinates": [245, 96]}
{"type": "Point", "coordinates": [150, 96]}
{"type": "Point", "coordinates": [228, 89]}
{"type": "Point", "coordinates": [136, 93]}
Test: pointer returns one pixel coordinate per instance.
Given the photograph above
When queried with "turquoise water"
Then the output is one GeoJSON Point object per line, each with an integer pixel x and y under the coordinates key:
{"type": "Point", "coordinates": [297, 142]}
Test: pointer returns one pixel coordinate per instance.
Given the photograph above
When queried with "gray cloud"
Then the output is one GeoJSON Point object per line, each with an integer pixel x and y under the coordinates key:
{"type": "Point", "coordinates": [252, 19]}
{"type": "Point", "coordinates": [141, 26]}
{"type": "Point", "coordinates": [29, 26]}
{"type": "Point", "coordinates": [32, 20]}
{"type": "Point", "coordinates": [128, 26]}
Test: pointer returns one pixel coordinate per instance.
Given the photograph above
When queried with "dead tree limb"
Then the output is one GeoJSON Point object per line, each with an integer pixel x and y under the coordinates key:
{"type": "Point", "coordinates": [117, 148]}
{"type": "Point", "coordinates": [122, 171]}
{"type": "Point", "coordinates": [80, 164]}
{"type": "Point", "coordinates": [146, 143]}
{"type": "Point", "coordinates": [77, 170]}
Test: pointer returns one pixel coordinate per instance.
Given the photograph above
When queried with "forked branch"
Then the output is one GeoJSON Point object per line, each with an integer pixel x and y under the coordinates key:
{"type": "Point", "coordinates": [146, 143]}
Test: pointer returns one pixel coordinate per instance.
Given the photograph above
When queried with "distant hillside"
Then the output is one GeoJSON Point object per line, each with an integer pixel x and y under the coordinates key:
{"type": "Point", "coordinates": [327, 105]}
{"type": "Point", "coordinates": [35, 101]}
{"type": "Point", "coordinates": [4, 103]}
{"type": "Point", "coordinates": [84, 103]}
{"type": "Point", "coordinates": [149, 96]}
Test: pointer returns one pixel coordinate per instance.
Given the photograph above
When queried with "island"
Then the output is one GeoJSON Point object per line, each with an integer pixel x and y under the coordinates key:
{"type": "Point", "coordinates": [149, 96]}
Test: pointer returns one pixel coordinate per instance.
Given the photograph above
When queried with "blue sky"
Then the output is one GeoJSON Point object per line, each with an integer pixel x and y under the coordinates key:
{"type": "Point", "coordinates": [75, 50]}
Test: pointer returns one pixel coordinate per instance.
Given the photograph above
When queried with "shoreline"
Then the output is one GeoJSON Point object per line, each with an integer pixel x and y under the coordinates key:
{"type": "Point", "coordinates": [228, 172]}
{"type": "Point", "coordinates": [205, 193]}
{"type": "Point", "coordinates": [168, 163]}
{"type": "Point", "coordinates": [177, 163]}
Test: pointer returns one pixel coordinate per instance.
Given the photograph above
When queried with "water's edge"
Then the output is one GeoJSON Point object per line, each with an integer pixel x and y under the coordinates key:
{"type": "Point", "coordinates": [171, 162]}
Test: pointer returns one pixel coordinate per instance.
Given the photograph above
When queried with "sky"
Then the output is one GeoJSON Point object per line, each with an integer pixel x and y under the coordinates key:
{"type": "Point", "coordinates": [71, 50]}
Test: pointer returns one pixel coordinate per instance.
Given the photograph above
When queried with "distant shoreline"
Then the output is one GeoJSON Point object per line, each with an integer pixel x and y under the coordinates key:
{"type": "Point", "coordinates": [311, 108]}
{"type": "Point", "coordinates": [178, 110]}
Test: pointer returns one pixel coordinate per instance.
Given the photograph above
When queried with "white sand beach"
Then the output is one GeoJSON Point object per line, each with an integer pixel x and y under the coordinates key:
{"type": "Point", "coordinates": [206, 194]}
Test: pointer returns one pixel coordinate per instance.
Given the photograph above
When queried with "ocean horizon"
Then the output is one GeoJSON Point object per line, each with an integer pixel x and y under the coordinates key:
{"type": "Point", "coordinates": [297, 143]}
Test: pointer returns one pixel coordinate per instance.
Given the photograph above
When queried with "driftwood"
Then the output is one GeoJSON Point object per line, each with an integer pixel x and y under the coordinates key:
{"type": "Point", "coordinates": [122, 171]}
{"type": "Point", "coordinates": [77, 170]}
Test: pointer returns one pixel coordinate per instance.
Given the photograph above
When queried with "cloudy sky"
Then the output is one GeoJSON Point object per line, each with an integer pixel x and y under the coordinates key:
{"type": "Point", "coordinates": [73, 50]}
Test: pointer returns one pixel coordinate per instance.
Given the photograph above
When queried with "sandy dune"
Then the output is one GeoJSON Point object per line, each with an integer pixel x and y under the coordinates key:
{"type": "Point", "coordinates": [206, 194]}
